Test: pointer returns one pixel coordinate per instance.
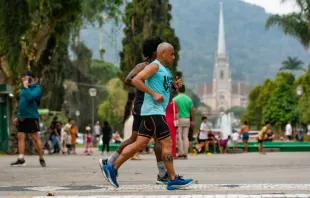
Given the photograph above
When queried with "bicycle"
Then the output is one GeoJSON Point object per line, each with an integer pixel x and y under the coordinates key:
{"type": "Point", "coordinates": [10, 146]}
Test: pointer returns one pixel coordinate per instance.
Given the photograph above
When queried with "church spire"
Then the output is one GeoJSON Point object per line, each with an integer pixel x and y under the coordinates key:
{"type": "Point", "coordinates": [221, 49]}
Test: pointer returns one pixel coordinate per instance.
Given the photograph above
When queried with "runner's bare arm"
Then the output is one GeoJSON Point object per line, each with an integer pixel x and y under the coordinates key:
{"type": "Point", "coordinates": [138, 68]}
{"type": "Point", "coordinates": [147, 72]}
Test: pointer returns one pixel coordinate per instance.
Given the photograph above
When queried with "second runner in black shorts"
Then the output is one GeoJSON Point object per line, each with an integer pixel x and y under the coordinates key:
{"type": "Point", "coordinates": [154, 126]}
{"type": "Point", "coordinates": [137, 119]}
{"type": "Point", "coordinates": [136, 110]}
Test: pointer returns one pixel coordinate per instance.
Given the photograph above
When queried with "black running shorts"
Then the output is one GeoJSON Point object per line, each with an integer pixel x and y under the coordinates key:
{"type": "Point", "coordinates": [28, 125]}
{"type": "Point", "coordinates": [137, 119]}
{"type": "Point", "coordinates": [154, 126]}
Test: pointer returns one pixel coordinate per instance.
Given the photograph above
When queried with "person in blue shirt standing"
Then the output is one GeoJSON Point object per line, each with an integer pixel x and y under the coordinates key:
{"type": "Point", "coordinates": [155, 81]}
{"type": "Point", "coordinates": [27, 118]}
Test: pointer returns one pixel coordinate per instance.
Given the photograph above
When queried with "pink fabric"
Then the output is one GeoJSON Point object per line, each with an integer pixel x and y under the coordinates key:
{"type": "Point", "coordinates": [89, 141]}
{"type": "Point", "coordinates": [172, 128]}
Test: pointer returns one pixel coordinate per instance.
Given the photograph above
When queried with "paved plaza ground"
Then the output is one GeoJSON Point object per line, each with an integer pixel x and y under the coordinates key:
{"type": "Point", "coordinates": [79, 175]}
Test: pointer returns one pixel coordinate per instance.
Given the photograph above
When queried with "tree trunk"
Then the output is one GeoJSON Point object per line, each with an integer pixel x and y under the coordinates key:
{"type": "Point", "coordinates": [4, 68]}
{"type": "Point", "coordinates": [41, 39]}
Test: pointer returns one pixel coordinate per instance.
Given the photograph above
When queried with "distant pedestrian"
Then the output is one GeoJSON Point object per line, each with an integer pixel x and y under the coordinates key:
{"type": "Point", "coordinates": [66, 131]}
{"type": "Point", "coordinates": [244, 132]}
{"type": "Point", "coordinates": [27, 118]}
{"type": "Point", "coordinates": [235, 139]}
{"type": "Point", "coordinates": [68, 142]}
{"type": "Point", "coordinates": [308, 132]}
{"type": "Point", "coordinates": [97, 132]}
{"type": "Point", "coordinates": [107, 135]}
{"type": "Point", "coordinates": [223, 144]}
{"type": "Point", "coordinates": [74, 131]}
{"type": "Point", "coordinates": [202, 137]}
{"type": "Point", "coordinates": [289, 131]}
{"type": "Point", "coordinates": [56, 135]}
{"type": "Point", "coordinates": [261, 137]}
{"type": "Point", "coordinates": [186, 111]}
{"type": "Point", "coordinates": [89, 140]}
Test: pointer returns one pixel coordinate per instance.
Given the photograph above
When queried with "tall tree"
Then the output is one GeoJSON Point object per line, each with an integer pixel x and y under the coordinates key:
{"type": "Point", "coordinates": [145, 18]}
{"type": "Point", "coordinates": [253, 115]}
{"type": "Point", "coordinates": [30, 31]}
{"type": "Point", "coordinates": [265, 99]}
{"type": "Point", "coordinates": [292, 64]}
{"type": "Point", "coordinates": [36, 35]}
{"type": "Point", "coordinates": [285, 77]}
{"type": "Point", "coordinates": [294, 24]}
{"type": "Point", "coordinates": [281, 106]}
{"type": "Point", "coordinates": [304, 101]}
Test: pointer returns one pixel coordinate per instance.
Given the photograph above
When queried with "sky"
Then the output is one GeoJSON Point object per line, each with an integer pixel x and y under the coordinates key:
{"type": "Point", "coordinates": [274, 6]}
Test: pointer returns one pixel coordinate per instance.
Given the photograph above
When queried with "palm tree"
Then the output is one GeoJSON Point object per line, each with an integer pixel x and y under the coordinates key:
{"type": "Point", "coordinates": [294, 24]}
{"type": "Point", "coordinates": [293, 64]}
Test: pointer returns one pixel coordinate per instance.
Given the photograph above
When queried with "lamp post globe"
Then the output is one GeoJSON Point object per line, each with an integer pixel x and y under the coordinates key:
{"type": "Point", "coordinates": [92, 92]}
{"type": "Point", "coordinates": [299, 90]}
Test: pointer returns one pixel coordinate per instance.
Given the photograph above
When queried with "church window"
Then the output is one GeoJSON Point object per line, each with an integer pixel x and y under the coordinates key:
{"type": "Point", "coordinates": [222, 75]}
{"type": "Point", "coordinates": [222, 97]}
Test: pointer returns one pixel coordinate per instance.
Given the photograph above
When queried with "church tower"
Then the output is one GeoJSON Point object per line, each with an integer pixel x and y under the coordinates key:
{"type": "Point", "coordinates": [221, 74]}
{"type": "Point", "coordinates": [223, 93]}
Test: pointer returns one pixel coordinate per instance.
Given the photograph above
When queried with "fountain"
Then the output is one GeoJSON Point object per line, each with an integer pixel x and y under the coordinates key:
{"type": "Point", "coordinates": [224, 122]}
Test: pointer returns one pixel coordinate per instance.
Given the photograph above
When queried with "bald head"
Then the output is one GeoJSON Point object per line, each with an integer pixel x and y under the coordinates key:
{"type": "Point", "coordinates": [165, 53]}
{"type": "Point", "coordinates": [164, 47]}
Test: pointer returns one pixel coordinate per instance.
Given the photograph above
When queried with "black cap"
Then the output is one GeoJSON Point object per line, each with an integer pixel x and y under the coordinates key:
{"type": "Point", "coordinates": [27, 73]}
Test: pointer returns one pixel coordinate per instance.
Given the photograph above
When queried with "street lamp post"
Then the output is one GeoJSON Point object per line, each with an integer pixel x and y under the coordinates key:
{"type": "Point", "coordinates": [299, 93]}
{"type": "Point", "coordinates": [77, 114]}
{"type": "Point", "coordinates": [92, 93]}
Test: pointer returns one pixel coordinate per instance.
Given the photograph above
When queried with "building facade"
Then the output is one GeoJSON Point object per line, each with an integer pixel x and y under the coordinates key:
{"type": "Point", "coordinates": [223, 93]}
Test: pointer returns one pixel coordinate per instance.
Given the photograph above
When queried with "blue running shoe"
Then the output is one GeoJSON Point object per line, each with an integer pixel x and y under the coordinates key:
{"type": "Point", "coordinates": [178, 183]}
{"type": "Point", "coordinates": [162, 180]}
{"type": "Point", "coordinates": [103, 162]}
{"type": "Point", "coordinates": [111, 174]}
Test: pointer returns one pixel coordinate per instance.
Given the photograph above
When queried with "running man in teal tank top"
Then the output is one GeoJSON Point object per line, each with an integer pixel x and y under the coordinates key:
{"type": "Point", "coordinates": [160, 82]}
{"type": "Point", "coordinates": [155, 81]}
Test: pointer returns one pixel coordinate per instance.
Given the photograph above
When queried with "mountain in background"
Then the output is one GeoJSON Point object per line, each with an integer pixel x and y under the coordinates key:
{"type": "Point", "coordinates": [254, 52]}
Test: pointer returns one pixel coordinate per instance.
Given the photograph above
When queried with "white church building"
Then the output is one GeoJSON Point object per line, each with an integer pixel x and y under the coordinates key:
{"type": "Point", "coordinates": [223, 93]}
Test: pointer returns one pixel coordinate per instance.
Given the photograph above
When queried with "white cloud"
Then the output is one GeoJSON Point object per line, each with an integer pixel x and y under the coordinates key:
{"type": "Point", "coordinates": [274, 6]}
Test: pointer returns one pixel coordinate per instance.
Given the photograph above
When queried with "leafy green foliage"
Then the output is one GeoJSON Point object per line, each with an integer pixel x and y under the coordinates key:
{"type": "Point", "coordinates": [292, 64]}
{"type": "Point", "coordinates": [285, 77]}
{"type": "Point", "coordinates": [103, 71]}
{"type": "Point", "coordinates": [14, 21]}
{"type": "Point", "coordinates": [254, 111]}
{"type": "Point", "coordinates": [143, 19]}
{"type": "Point", "coordinates": [274, 101]}
{"type": "Point", "coordinates": [87, 73]}
{"type": "Point", "coordinates": [304, 101]}
{"type": "Point", "coordinates": [98, 10]}
{"type": "Point", "coordinates": [294, 24]}
{"type": "Point", "coordinates": [112, 109]}
{"type": "Point", "coordinates": [265, 93]}
{"type": "Point", "coordinates": [281, 106]}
